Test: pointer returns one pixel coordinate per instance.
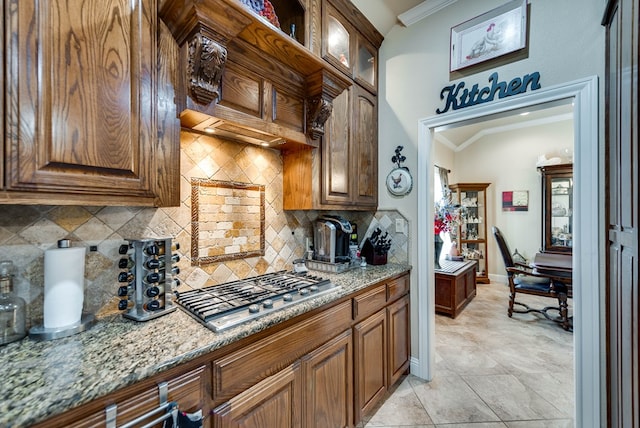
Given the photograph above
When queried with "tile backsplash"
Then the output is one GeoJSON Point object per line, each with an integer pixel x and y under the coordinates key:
{"type": "Point", "coordinates": [27, 231]}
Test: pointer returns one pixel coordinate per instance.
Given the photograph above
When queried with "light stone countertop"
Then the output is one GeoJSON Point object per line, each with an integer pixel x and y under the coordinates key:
{"type": "Point", "coordinates": [42, 379]}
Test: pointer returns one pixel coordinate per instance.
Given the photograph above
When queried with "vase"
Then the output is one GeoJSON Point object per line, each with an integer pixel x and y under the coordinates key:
{"type": "Point", "coordinates": [438, 248]}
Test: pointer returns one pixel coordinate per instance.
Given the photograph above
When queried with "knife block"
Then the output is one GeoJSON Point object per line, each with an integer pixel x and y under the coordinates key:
{"type": "Point", "coordinates": [371, 256]}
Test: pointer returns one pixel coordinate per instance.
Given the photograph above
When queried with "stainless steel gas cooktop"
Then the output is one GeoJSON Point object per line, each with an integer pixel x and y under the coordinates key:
{"type": "Point", "coordinates": [220, 307]}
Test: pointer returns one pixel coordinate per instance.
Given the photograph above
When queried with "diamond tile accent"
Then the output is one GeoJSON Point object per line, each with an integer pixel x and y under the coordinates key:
{"type": "Point", "coordinates": [26, 231]}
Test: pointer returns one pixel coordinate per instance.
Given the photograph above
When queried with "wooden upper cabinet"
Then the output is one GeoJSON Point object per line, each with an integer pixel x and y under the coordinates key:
{"type": "Point", "coordinates": [366, 64]}
{"type": "Point", "coordinates": [365, 148]}
{"type": "Point", "coordinates": [338, 39]}
{"type": "Point", "coordinates": [346, 47]}
{"type": "Point", "coordinates": [82, 121]}
{"type": "Point", "coordinates": [343, 172]}
{"type": "Point", "coordinates": [336, 153]}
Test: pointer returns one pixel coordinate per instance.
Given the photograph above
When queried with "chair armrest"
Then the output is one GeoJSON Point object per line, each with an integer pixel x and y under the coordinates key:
{"type": "Point", "coordinates": [535, 273]}
{"type": "Point", "coordinates": [524, 271]}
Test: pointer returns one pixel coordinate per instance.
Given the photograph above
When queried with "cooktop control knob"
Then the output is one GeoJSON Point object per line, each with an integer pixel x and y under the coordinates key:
{"type": "Point", "coordinates": [304, 291]}
{"type": "Point", "coordinates": [313, 288]}
{"type": "Point", "coordinates": [267, 304]}
{"type": "Point", "coordinates": [254, 309]}
{"type": "Point", "coordinates": [287, 297]}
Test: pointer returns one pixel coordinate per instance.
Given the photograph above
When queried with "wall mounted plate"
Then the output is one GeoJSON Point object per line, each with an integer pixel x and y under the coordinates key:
{"type": "Point", "coordinates": [399, 181]}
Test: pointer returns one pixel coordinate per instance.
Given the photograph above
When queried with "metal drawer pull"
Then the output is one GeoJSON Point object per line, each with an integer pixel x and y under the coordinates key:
{"type": "Point", "coordinates": [170, 407]}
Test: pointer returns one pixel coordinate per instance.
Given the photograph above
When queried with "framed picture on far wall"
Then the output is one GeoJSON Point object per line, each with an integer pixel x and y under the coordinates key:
{"type": "Point", "coordinates": [516, 200]}
{"type": "Point", "coordinates": [498, 32]}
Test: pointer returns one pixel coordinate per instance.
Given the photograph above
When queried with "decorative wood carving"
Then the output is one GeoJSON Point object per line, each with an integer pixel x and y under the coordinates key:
{"type": "Point", "coordinates": [206, 64]}
{"type": "Point", "coordinates": [319, 111]}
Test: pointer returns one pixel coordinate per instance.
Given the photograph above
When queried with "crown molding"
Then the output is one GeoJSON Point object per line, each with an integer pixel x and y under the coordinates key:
{"type": "Point", "coordinates": [421, 11]}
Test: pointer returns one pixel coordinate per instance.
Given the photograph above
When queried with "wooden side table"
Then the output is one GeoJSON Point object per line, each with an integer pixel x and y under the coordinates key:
{"type": "Point", "coordinates": [455, 286]}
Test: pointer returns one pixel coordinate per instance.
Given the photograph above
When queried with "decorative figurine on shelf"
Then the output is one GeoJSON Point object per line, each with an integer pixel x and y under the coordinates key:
{"type": "Point", "coordinates": [454, 252]}
{"type": "Point", "coordinates": [399, 180]}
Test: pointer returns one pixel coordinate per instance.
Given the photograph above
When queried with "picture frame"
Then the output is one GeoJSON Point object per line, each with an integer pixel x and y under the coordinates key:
{"type": "Point", "coordinates": [493, 34]}
{"type": "Point", "coordinates": [515, 200]}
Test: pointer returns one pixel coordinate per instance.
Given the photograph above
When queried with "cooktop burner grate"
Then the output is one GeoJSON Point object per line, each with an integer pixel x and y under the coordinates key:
{"type": "Point", "coordinates": [222, 306]}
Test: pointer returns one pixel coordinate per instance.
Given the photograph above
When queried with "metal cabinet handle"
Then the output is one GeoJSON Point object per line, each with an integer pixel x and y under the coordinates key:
{"type": "Point", "coordinates": [111, 411]}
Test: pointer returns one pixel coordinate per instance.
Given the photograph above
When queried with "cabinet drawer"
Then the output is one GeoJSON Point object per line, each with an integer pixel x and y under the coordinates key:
{"type": "Point", "coordinates": [367, 303]}
{"type": "Point", "coordinates": [243, 368]}
{"type": "Point", "coordinates": [186, 389]}
{"type": "Point", "coordinates": [398, 287]}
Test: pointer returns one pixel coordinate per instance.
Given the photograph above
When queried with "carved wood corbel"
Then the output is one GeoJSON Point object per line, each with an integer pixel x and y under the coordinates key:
{"type": "Point", "coordinates": [318, 111]}
{"type": "Point", "coordinates": [206, 64]}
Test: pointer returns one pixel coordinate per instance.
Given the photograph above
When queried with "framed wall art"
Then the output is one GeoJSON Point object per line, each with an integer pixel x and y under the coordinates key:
{"type": "Point", "coordinates": [498, 32]}
{"type": "Point", "coordinates": [516, 200]}
{"type": "Point", "coordinates": [227, 221]}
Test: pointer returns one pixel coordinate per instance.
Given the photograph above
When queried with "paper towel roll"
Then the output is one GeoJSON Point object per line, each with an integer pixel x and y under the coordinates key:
{"type": "Point", "coordinates": [63, 286]}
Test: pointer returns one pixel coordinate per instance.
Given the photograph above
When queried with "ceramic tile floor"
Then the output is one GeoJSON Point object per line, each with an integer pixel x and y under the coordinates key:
{"type": "Point", "coordinates": [491, 371]}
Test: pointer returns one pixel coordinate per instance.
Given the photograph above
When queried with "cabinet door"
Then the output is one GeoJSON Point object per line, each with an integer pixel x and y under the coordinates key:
{"type": "Point", "coordinates": [337, 39]}
{"type": "Point", "coordinates": [273, 402]}
{"type": "Point", "coordinates": [399, 338]}
{"type": "Point", "coordinates": [370, 344]}
{"type": "Point", "coordinates": [328, 373]}
{"type": "Point", "coordinates": [365, 148]}
{"type": "Point", "coordinates": [80, 93]}
{"type": "Point", "coordinates": [336, 153]}
{"type": "Point", "coordinates": [366, 67]}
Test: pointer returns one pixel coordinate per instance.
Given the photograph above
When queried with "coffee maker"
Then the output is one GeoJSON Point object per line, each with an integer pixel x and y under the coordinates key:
{"type": "Point", "coordinates": [331, 239]}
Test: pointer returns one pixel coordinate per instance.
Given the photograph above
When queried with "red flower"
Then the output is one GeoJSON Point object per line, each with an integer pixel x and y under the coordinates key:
{"type": "Point", "coordinates": [446, 218]}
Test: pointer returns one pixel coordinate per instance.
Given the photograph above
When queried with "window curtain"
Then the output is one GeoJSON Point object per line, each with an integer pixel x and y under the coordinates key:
{"type": "Point", "coordinates": [444, 180]}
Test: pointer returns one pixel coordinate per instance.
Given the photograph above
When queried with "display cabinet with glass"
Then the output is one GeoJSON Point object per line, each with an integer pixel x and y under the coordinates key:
{"type": "Point", "coordinates": [366, 66]}
{"type": "Point", "coordinates": [471, 235]}
{"type": "Point", "coordinates": [338, 40]}
{"type": "Point", "coordinates": [348, 49]}
{"type": "Point", "coordinates": [557, 208]}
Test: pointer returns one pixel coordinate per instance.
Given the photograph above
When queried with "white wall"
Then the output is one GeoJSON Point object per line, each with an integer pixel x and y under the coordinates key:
{"type": "Point", "coordinates": [508, 161]}
{"type": "Point", "coordinates": [566, 42]}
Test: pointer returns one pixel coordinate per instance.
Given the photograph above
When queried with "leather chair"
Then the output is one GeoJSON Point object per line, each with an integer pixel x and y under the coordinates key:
{"type": "Point", "coordinates": [523, 279]}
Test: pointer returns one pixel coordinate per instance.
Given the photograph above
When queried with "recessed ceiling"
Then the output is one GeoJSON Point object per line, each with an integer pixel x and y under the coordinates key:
{"type": "Point", "coordinates": [460, 136]}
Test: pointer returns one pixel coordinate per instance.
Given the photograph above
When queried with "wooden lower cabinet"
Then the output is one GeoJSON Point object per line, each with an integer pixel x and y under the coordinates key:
{"type": "Point", "coordinates": [328, 373]}
{"type": "Point", "coordinates": [325, 370]}
{"type": "Point", "coordinates": [399, 322]}
{"type": "Point", "coordinates": [187, 389]}
{"type": "Point", "coordinates": [273, 402]}
{"type": "Point", "coordinates": [370, 345]}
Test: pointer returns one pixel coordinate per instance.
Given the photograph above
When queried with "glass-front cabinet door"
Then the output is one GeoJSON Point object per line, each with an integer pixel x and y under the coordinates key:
{"type": "Point", "coordinates": [472, 231]}
{"type": "Point", "coordinates": [337, 40]}
{"type": "Point", "coordinates": [366, 64]}
{"type": "Point", "coordinates": [557, 208]}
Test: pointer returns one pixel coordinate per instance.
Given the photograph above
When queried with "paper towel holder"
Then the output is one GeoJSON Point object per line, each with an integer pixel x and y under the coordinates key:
{"type": "Point", "coordinates": [41, 333]}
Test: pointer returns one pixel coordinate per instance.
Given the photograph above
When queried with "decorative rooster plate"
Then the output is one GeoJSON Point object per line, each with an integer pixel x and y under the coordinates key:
{"type": "Point", "coordinates": [399, 180]}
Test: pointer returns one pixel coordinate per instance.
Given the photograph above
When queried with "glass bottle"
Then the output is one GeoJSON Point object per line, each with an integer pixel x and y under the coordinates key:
{"type": "Point", "coordinates": [12, 307]}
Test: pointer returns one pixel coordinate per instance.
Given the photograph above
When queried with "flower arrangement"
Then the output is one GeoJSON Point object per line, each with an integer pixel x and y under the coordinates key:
{"type": "Point", "coordinates": [446, 216]}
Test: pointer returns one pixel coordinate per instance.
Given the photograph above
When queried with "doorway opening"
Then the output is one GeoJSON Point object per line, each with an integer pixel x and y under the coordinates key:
{"type": "Point", "coordinates": [587, 271]}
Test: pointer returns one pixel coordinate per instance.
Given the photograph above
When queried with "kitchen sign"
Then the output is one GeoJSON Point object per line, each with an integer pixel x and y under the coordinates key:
{"type": "Point", "coordinates": [458, 97]}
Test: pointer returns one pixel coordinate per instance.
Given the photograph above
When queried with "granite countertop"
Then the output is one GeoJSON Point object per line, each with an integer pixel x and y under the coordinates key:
{"type": "Point", "coordinates": [42, 379]}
